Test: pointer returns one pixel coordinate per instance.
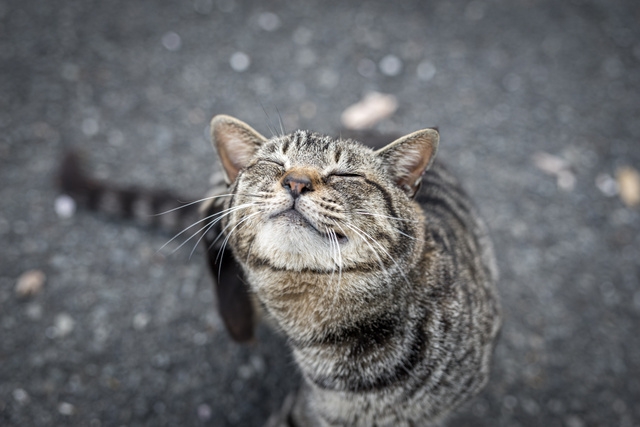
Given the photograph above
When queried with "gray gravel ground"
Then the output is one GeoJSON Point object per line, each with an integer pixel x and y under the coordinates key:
{"type": "Point", "coordinates": [121, 335]}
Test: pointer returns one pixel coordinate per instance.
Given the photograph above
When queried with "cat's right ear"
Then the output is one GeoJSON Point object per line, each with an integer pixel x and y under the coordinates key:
{"type": "Point", "coordinates": [235, 142]}
{"type": "Point", "coordinates": [407, 158]}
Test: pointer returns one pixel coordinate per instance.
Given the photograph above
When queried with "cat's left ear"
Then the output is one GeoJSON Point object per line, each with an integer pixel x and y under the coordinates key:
{"type": "Point", "coordinates": [407, 158]}
{"type": "Point", "coordinates": [235, 142]}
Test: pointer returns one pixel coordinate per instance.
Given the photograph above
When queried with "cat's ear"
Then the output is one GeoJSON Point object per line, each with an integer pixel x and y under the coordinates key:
{"type": "Point", "coordinates": [407, 158]}
{"type": "Point", "coordinates": [235, 142]}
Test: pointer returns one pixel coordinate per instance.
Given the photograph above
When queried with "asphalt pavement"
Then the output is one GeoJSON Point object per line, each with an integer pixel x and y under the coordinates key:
{"type": "Point", "coordinates": [538, 105]}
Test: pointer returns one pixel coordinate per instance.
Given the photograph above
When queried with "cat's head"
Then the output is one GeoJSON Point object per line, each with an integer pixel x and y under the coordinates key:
{"type": "Point", "coordinates": [307, 202]}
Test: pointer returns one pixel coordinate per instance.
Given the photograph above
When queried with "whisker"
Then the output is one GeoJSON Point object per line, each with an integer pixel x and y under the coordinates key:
{"type": "Point", "coordinates": [191, 203]}
{"type": "Point", "coordinates": [273, 132]}
{"type": "Point", "coordinates": [334, 239]}
{"type": "Point", "coordinates": [250, 249]}
{"type": "Point", "coordinates": [204, 200]}
{"type": "Point", "coordinates": [357, 231]}
{"type": "Point", "coordinates": [209, 226]}
{"type": "Point", "coordinates": [362, 212]}
{"type": "Point", "coordinates": [220, 234]}
{"type": "Point", "coordinates": [226, 240]}
{"type": "Point", "coordinates": [328, 232]}
{"type": "Point", "coordinates": [385, 251]}
{"type": "Point", "coordinates": [203, 219]}
{"type": "Point", "coordinates": [280, 120]}
{"type": "Point", "coordinates": [411, 237]}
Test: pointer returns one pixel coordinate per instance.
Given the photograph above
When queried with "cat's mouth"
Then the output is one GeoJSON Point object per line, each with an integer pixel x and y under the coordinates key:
{"type": "Point", "coordinates": [295, 217]}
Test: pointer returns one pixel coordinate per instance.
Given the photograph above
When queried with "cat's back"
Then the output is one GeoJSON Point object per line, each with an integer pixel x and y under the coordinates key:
{"type": "Point", "coordinates": [461, 293]}
{"type": "Point", "coordinates": [455, 226]}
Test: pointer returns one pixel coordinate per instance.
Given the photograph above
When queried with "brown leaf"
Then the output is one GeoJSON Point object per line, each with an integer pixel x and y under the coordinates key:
{"type": "Point", "coordinates": [30, 283]}
{"type": "Point", "coordinates": [629, 185]}
{"type": "Point", "coordinates": [373, 108]}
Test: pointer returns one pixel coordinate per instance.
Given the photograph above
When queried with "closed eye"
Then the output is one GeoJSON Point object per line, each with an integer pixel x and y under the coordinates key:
{"type": "Point", "coordinates": [347, 175]}
{"type": "Point", "coordinates": [272, 162]}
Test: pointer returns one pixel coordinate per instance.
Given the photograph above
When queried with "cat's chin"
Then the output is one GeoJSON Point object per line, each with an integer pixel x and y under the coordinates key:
{"type": "Point", "coordinates": [289, 241]}
{"type": "Point", "coordinates": [293, 218]}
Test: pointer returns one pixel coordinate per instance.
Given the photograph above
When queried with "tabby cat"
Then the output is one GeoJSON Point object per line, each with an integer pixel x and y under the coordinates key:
{"type": "Point", "coordinates": [375, 266]}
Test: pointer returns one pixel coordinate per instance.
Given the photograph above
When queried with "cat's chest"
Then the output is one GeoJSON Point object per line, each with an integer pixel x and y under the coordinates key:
{"type": "Point", "coordinates": [307, 302]}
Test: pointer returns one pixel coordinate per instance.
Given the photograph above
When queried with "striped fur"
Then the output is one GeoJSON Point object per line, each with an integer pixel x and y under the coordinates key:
{"type": "Point", "coordinates": [384, 288]}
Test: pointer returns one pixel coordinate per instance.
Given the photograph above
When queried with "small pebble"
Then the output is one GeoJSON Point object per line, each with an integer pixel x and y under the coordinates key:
{"type": "Point", "coordinates": [556, 166]}
{"type": "Point", "coordinates": [245, 371]}
{"type": "Point", "coordinates": [30, 283]}
{"type": "Point", "coordinates": [140, 321]}
{"type": "Point", "coordinates": [607, 185]}
{"type": "Point", "coordinates": [66, 408]}
{"type": "Point", "coordinates": [269, 21]}
{"type": "Point", "coordinates": [90, 127]}
{"type": "Point", "coordinates": [20, 396]}
{"type": "Point", "coordinates": [200, 338]}
{"type": "Point", "coordinates": [171, 41]}
{"type": "Point", "coordinates": [566, 180]}
{"type": "Point", "coordinates": [63, 324]}
{"type": "Point", "coordinates": [64, 206]}
{"type": "Point", "coordinates": [390, 65]}
{"type": "Point", "coordinates": [240, 61]}
{"type": "Point", "coordinates": [204, 412]}
{"type": "Point", "coordinates": [258, 363]}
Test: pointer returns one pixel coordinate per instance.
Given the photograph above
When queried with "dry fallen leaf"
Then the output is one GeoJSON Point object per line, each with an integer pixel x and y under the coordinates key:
{"type": "Point", "coordinates": [30, 283]}
{"type": "Point", "coordinates": [629, 185]}
{"type": "Point", "coordinates": [373, 108]}
{"type": "Point", "coordinates": [549, 163]}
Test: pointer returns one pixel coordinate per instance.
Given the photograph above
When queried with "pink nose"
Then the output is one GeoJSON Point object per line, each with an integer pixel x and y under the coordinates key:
{"type": "Point", "coordinates": [297, 183]}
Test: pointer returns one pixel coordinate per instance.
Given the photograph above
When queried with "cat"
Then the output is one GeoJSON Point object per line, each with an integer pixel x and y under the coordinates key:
{"type": "Point", "coordinates": [374, 264]}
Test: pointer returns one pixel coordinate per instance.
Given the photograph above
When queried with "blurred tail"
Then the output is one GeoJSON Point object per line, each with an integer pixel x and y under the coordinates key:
{"type": "Point", "coordinates": [157, 208]}
{"type": "Point", "coordinates": [161, 208]}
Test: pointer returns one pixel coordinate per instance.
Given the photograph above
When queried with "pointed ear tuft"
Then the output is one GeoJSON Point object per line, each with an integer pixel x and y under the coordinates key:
{"type": "Point", "coordinates": [407, 158]}
{"type": "Point", "coordinates": [235, 142]}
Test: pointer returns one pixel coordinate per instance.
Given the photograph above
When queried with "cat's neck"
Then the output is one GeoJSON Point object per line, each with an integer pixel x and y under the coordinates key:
{"type": "Point", "coordinates": [306, 305]}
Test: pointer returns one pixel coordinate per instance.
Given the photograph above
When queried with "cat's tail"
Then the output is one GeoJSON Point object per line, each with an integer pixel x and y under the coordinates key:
{"type": "Point", "coordinates": [155, 208]}
{"type": "Point", "coordinates": [171, 213]}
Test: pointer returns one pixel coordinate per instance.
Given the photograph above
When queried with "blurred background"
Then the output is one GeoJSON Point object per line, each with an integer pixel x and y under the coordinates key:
{"type": "Point", "coordinates": [538, 106]}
